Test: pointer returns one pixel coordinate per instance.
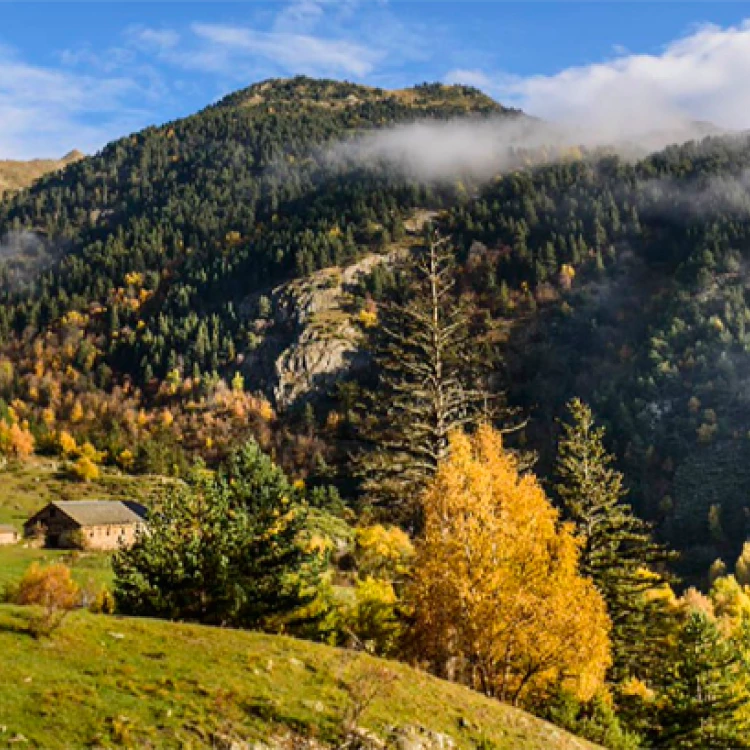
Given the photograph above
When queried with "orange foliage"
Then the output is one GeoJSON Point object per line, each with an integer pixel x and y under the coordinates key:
{"type": "Point", "coordinates": [52, 588]}
{"type": "Point", "coordinates": [15, 439]}
{"type": "Point", "coordinates": [497, 593]}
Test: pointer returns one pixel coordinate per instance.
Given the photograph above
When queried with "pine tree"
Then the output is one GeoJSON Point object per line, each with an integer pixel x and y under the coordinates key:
{"type": "Point", "coordinates": [224, 551]}
{"type": "Point", "coordinates": [704, 686]}
{"type": "Point", "coordinates": [617, 550]}
{"type": "Point", "coordinates": [430, 381]}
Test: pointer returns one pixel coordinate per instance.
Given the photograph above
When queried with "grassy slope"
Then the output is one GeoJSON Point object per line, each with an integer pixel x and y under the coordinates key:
{"type": "Point", "coordinates": [111, 682]}
{"type": "Point", "coordinates": [106, 681]}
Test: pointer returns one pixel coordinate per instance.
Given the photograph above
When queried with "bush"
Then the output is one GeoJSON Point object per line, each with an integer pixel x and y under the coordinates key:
{"type": "Point", "coordinates": [374, 619]}
{"type": "Point", "coordinates": [383, 552]}
{"type": "Point", "coordinates": [103, 603]}
{"type": "Point", "coordinates": [84, 470]}
{"type": "Point", "coordinates": [53, 589]}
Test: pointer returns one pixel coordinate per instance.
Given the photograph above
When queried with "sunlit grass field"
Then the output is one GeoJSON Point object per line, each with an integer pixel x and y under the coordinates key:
{"type": "Point", "coordinates": [103, 681]}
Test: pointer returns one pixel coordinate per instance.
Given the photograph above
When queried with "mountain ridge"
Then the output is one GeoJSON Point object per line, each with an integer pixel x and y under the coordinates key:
{"type": "Point", "coordinates": [17, 174]}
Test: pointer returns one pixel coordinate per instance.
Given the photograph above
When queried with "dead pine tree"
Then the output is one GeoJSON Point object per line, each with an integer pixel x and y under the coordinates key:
{"type": "Point", "coordinates": [432, 372]}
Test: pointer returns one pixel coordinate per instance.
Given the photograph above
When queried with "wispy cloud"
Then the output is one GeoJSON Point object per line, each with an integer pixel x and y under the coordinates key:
{"type": "Point", "coordinates": [312, 37]}
{"type": "Point", "coordinates": [49, 111]}
{"type": "Point", "coordinates": [635, 102]}
{"type": "Point", "coordinates": [99, 92]}
{"type": "Point", "coordinates": [227, 46]}
{"type": "Point", "coordinates": [701, 76]}
{"type": "Point", "coordinates": [148, 39]}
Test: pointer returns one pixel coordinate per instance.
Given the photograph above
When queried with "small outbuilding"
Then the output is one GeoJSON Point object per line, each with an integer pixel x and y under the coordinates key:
{"type": "Point", "coordinates": [86, 524]}
{"type": "Point", "coordinates": [8, 534]}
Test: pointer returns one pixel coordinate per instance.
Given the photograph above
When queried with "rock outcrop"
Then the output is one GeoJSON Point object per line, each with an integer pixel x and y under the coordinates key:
{"type": "Point", "coordinates": [308, 335]}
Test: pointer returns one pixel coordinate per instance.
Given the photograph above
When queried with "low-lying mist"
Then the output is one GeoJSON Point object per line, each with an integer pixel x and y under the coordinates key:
{"type": "Point", "coordinates": [23, 255]}
{"type": "Point", "coordinates": [482, 148]}
{"type": "Point", "coordinates": [727, 195]}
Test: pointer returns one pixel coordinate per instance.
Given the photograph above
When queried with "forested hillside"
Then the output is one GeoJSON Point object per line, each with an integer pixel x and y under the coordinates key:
{"type": "Point", "coordinates": [148, 266]}
{"type": "Point", "coordinates": [143, 263]}
{"type": "Point", "coordinates": [637, 301]}
{"type": "Point", "coordinates": [193, 216]}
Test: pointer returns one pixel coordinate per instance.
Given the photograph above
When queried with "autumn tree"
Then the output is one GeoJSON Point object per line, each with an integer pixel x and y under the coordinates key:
{"type": "Point", "coordinates": [618, 552]}
{"type": "Point", "coordinates": [742, 566]}
{"type": "Point", "coordinates": [429, 379]}
{"type": "Point", "coordinates": [498, 599]}
{"type": "Point", "coordinates": [16, 439]}
{"type": "Point", "coordinates": [52, 589]}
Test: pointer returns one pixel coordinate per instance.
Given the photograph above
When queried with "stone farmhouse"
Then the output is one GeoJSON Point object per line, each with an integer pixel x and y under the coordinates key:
{"type": "Point", "coordinates": [8, 534]}
{"type": "Point", "coordinates": [87, 524]}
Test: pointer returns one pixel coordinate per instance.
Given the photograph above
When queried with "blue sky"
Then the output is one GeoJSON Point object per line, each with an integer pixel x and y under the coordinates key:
{"type": "Point", "coordinates": [76, 75]}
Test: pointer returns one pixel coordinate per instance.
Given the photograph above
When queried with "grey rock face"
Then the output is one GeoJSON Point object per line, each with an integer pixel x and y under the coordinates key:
{"type": "Point", "coordinates": [310, 338]}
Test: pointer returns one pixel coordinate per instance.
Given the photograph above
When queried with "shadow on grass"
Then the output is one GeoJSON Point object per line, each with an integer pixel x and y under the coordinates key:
{"type": "Point", "coordinates": [16, 622]}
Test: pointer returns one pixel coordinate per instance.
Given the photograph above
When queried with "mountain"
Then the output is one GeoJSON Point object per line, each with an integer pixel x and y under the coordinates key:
{"type": "Point", "coordinates": [16, 175]}
{"type": "Point", "coordinates": [212, 209]}
{"type": "Point", "coordinates": [239, 245]}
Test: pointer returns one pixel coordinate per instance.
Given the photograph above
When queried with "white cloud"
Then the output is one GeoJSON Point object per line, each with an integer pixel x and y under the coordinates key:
{"type": "Point", "coordinates": [475, 78]}
{"type": "Point", "coordinates": [299, 17]}
{"type": "Point", "coordinates": [296, 53]}
{"type": "Point", "coordinates": [149, 39]}
{"type": "Point", "coordinates": [702, 76]}
{"type": "Point", "coordinates": [46, 112]}
{"type": "Point", "coordinates": [336, 38]}
{"type": "Point", "coordinates": [437, 151]}
{"type": "Point", "coordinates": [636, 102]}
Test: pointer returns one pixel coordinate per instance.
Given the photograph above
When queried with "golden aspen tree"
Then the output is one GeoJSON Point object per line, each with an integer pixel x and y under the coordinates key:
{"type": "Point", "coordinates": [499, 603]}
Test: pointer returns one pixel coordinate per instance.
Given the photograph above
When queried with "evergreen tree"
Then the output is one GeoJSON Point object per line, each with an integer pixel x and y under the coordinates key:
{"type": "Point", "coordinates": [429, 381]}
{"type": "Point", "coordinates": [704, 686]}
{"type": "Point", "coordinates": [617, 550]}
{"type": "Point", "coordinates": [224, 551]}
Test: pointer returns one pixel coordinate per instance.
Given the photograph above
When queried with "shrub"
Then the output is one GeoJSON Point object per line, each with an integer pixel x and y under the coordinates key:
{"type": "Point", "coordinates": [84, 470]}
{"type": "Point", "coordinates": [53, 589]}
{"type": "Point", "coordinates": [383, 552]}
{"type": "Point", "coordinates": [365, 682]}
{"type": "Point", "coordinates": [373, 620]}
{"type": "Point", "coordinates": [103, 603]}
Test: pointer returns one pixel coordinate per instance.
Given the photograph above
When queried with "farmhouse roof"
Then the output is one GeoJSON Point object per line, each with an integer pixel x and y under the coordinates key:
{"type": "Point", "coordinates": [98, 512]}
{"type": "Point", "coordinates": [7, 529]}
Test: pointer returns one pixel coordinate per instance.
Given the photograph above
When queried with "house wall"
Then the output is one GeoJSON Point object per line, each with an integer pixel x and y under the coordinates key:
{"type": "Point", "coordinates": [109, 537]}
{"type": "Point", "coordinates": [8, 537]}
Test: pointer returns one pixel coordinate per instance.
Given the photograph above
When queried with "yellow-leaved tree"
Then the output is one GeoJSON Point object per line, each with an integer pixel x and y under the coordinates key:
{"type": "Point", "coordinates": [499, 603]}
